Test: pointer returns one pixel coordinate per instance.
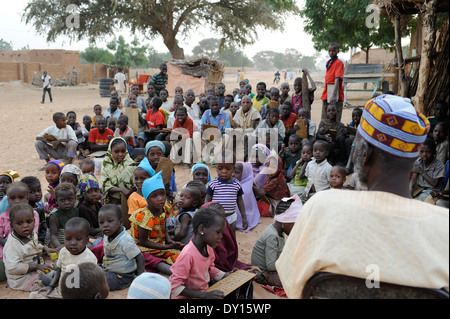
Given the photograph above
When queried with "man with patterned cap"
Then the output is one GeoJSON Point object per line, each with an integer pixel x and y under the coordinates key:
{"type": "Point", "coordinates": [381, 234]}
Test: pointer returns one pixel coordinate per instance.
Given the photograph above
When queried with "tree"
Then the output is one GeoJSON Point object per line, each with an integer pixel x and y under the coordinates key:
{"type": "Point", "coordinates": [96, 55]}
{"type": "Point", "coordinates": [236, 21]}
{"type": "Point", "coordinates": [264, 60]}
{"type": "Point", "coordinates": [344, 22]}
{"type": "Point", "coordinates": [230, 56]}
{"type": "Point", "coordinates": [5, 46]}
{"type": "Point", "coordinates": [128, 54]}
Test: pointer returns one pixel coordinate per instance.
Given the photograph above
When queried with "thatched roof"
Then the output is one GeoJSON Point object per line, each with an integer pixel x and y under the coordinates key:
{"type": "Point", "coordinates": [403, 7]}
{"type": "Point", "coordinates": [211, 70]}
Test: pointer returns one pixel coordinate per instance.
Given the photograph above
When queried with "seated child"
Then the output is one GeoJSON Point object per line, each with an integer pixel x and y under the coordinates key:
{"type": "Point", "coordinates": [76, 127]}
{"type": "Point", "coordinates": [58, 141]}
{"type": "Point", "coordinates": [22, 251]}
{"type": "Point", "coordinates": [87, 121]}
{"type": "Point", "coordinates": [90, 203]}
{"type": "Point", "coordinates": [99, 137]}
{"type": "Point", "coordinates": [34, 200]}
{"type": "Point", "coordinates": [87, 166]}
{"type": "Point", "coordinates": [111, 123]}
{"type": "Point", "coordinates": [136, 200]}
{"type": "Point", "coordinates": [65, 195]}
{"type": "Point", "coordinates": [148, 226]}
{"type": "Point", "coordinates": [215, 116]}
{"type": "Point", "coordinates": [6, 178]}
{"type": "Point", "coordinates": [297, 185]}
{"type": "Point", "coordinates": [274, 95]}
{"type": "Point", "coordinates": [427, 172]}
{"type": "Point", "coordinates": [317, 171]}
{"type": "Point", "coordinates": [243, 172]}
{"type": "Point", "coordinates": [52, 173]}
{"type": "Point", "coordinates": [260, 98]}
{"type": "Point", "coordinates": [275, 187]}
{"type": "Point", "coordinates": [126, 132]}
{"type": "Point", "coordinates": [189, 203]}
{"type": "Point", "coordinates": [291, 155]}
{"type": "Point", "coordinates": [166, 105]}
{"type": "Point", "coordinates": [181, 137]}
{"type": "Point", "coordinates": [155, 122]}
{"type": "Point", "coordinates": [202, 188]}
{"type": "Point", "coordinates": [289, 120]}
{"type": "Point", "coordinates": [117, 172]}
{"type": "Point", "coordinates": [270, 243]}
{"type": "Point", "coordinates": [16, 193]}
{"type": "Point", "coordinates": [113, 111]}
{"type": "Point", "coordinates": [330, 131]}
{"type": "Point", "coordinates": [97, 112]}
{"type": "Point", "coordinates": [122, 259]}
{"type": "Point", "coordinates": [337, 177]}
{"type": "Point", "coordinates": [194, 268]}
{"type": "Point", "coordinates": [227, 190]}
{"type": "Point", "coordinates": [93, 284]}
{"type": "Point", "coordinates": [440, 135]}
{"type": "Point", "coordinates": [271, 122]}
{"type": "Point", "coordinates": [305, 115]}
{"type": "Point", "coordinates": [71, 174]}
{"type": "Point", "coordinates": [284, 95]}
{"type": "Point", "coordinates": [297, 97]}
{"type": "Point", "coordinates": [74, 252]}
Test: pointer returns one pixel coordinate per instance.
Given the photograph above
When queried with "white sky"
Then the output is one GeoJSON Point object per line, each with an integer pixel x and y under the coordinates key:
{"type": "Point", "coordinates": [12, 29]}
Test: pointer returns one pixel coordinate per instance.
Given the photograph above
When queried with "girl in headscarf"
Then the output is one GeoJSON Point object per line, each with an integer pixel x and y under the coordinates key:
{"type": "Point", "coordinates": [90, 204]}
{"type": "Point", "coordinates": [244, 173]}
{"type": "Point", "coordinates": [6, 178]}
{"type": "Point", "coordinates": [275, 187]}
{"type": "Point", "coordinates": [117, 172]}
{"type": "Point", "coordinates": [71, 174]}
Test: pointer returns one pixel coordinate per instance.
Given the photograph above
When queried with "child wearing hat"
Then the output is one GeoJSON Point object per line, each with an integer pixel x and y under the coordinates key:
{"type": "Point", "coordinates": [270, 243]}
{"type": "Point", "coordinates": [148, 225]}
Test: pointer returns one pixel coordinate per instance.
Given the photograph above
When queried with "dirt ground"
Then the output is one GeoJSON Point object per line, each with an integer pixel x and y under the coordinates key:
{"type": "Point", "coordinates": [23, 117]}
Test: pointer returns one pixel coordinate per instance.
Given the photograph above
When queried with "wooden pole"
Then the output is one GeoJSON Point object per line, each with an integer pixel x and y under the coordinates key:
{"type": "Point", "coordinates": [429, 37]}
{"type": "Point", "coordinates": [400, 61]}
{"type": "Point", "coordinates": [305, 92]}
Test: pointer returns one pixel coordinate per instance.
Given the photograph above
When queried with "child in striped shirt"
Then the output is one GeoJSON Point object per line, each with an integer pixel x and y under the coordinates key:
{"type": "Point", "coordinates": [227, 190]}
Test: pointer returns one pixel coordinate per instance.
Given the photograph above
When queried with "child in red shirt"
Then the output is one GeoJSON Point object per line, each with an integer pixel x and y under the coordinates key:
{"type": "Point", "coordinates": [155, 121]}
{"type": "Point", "coordinates": [334, 75]}
{"type": "Point", "coordinates": [99, 136]}
{"type": "Point", "coordinates": [289, 119]}
{"type": "Point", "coordinates": [183, 130]}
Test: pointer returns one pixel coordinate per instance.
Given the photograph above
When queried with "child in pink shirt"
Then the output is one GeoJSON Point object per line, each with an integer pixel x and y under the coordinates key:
{"type": "Point", "coordinates": [194, 267]}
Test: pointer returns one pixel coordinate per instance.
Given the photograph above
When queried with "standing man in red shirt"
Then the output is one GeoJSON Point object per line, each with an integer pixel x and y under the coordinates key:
{"type": "Point", "coordinates": [334, 75]}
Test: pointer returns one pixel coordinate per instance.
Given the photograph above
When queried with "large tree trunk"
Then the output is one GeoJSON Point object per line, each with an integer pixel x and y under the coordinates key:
{"type": "Point", "coordinates": [429, 36]}
{"type": "Point", "coordinates": [174, 49]}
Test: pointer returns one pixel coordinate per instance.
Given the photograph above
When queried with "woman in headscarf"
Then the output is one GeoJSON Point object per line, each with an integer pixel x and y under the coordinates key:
{"type": "Point", "coordinates": [275, 187]}
{"type": "Point", "coordinates": [257, 157]}
{"type": "Point", "coordinates": [154, 150]}
{"type": "Point", "coordinates": [244, 173]}
{"type": "Point", "coordinates": [117, 172]}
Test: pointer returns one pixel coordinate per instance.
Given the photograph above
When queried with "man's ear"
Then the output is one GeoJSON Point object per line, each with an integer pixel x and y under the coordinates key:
{"type": "Point", "coordinates": [367, 153]}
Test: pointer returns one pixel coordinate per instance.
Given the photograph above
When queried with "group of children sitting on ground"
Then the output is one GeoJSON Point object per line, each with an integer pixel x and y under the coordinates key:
{"type": "Point", "coordinates": [131, 221]}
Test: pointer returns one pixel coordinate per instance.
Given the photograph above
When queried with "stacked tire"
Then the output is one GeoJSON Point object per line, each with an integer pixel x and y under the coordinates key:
{"type": "Point", "coordinates": [105, 86]}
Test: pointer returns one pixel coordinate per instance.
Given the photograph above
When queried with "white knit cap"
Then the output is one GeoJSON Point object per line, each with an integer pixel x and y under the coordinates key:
{"type": "Point", "coordinates": [149, 286]}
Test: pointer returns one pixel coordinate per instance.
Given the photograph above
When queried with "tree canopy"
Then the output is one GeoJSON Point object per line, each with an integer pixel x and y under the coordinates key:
{"type": "Point", "coordinates": [230, 56]}
{"type": "Point", "coordinates": [237, 21]}
{"type": "Point", "coordinates": [344, 22]}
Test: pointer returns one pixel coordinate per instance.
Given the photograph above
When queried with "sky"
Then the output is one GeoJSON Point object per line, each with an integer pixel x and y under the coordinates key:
{"type": "Point", "coordinates": [14, 30]}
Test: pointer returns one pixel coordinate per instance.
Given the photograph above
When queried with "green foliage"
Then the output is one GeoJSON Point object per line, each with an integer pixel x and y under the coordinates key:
{"type": "Point", "coordinates": [344, 22]}
{"type": "Point", "coordinates": [96, 55]}
{"type": "Point", "coordinates": [290, 59]}
{"type": "Point", "coordinates": [128, 54]}
{"type": "Point", "coordinates": [230, 56]}
{"type": "Point", "coordinates": [5, 46]}
{"type": "Point", "coordinates": [234, 20]}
